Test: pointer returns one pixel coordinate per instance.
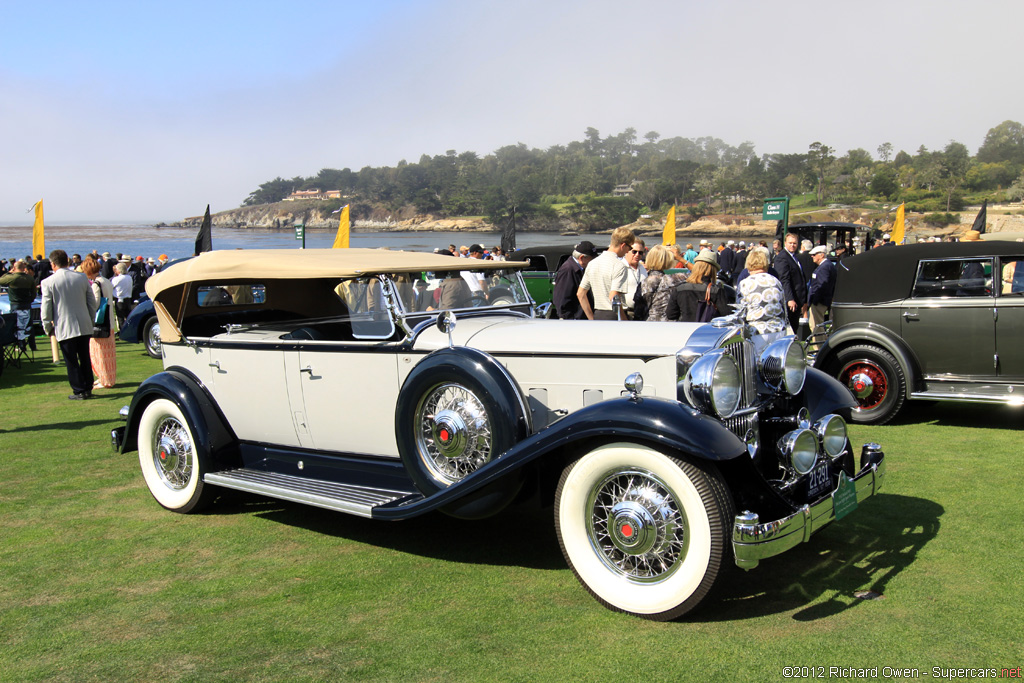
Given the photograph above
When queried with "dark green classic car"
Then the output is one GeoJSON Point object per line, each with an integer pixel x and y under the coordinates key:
{"type": "Point", "coordinates": [928, 321]}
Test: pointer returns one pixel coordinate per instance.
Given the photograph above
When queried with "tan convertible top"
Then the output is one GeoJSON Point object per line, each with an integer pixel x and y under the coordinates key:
{"type": "Point", "coordinates": [278, 264]}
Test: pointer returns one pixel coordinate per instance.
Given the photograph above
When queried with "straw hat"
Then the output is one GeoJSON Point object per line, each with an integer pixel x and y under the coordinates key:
{"type": "Point", "coordinates": [971, 236]}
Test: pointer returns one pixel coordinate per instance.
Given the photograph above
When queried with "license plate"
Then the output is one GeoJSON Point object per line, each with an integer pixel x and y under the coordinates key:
{"type": "Point", "coordinates": [819, 480]}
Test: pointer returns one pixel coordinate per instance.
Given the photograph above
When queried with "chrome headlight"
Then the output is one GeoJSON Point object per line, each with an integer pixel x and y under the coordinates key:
{"type": "Point", "coordinates": [831, 431]}
{"type": "Point", "coordinates": [782, 366]}
{"type": "Point", "coordinates": [799, 450]}
{"type": "Point", "coordinates": [713, 384]}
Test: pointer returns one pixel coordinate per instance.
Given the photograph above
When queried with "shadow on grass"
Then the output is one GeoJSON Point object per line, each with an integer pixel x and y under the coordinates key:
{"type": "Point", "coordinates": [58, 426]}
{"type": "Point", "coordinates": [522, 535]}
{"type": "Point", "coordinates": [862, 552]}
{"type": "Point", "coordinates": [956, 414]}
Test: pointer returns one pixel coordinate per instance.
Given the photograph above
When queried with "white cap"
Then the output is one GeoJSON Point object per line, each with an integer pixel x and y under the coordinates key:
{"type": "Point", "coordinates": [729, 243]}
{"type": "Point", "coordinates": [885, 236]}
{"type": "Point", "coordinates": [820, 249]}
{"type": "Point", "coordinates": [742, 243]}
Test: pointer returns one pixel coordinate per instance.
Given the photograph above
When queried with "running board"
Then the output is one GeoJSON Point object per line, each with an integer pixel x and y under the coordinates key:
{"type": "Point", "coordinates": [355, 500]}
{"type": "Point", "coordinates": [967, 397]}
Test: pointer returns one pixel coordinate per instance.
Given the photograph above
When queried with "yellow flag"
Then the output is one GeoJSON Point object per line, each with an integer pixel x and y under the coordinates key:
{"type": "Point", "coordinates": [897, 227]}
{"type": "Point", "coordinates": [669, 236]}
{"type": "Point", "coordinates": [341, 241]}
{"type": "Point", "coordinates": [38, 243]}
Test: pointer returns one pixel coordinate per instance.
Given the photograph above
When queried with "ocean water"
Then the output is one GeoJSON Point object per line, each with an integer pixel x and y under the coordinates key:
{"type": "Point", "coordinates": [146, 240]}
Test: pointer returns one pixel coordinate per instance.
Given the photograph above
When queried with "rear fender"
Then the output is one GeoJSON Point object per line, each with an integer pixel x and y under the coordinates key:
{"type": "Point", "coordinates": [208, 426]}
{"type": "Point", "coordinates": [870, 333]}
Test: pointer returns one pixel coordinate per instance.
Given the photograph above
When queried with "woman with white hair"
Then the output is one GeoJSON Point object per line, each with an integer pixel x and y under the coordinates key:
{"type": "Point", "coordinates": [762, 296]}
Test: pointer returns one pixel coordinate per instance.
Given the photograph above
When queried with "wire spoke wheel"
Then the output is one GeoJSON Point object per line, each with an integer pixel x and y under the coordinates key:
{"type": "Point", "coordinates": [636, 525]}
{"type": "Point", "coordinates": [644, 532]}
{"type": "Point", "coordinates": [453, 436]}
{"type": "Point", "coordinates": [172, 462]}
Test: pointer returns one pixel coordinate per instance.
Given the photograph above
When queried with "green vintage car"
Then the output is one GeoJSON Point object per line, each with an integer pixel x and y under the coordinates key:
{"type": "Point", "coordinates": [540, 276]}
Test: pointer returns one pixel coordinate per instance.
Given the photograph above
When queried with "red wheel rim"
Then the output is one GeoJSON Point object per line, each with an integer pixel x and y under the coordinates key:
{"type": "Point", "coordinates": [867, 381]}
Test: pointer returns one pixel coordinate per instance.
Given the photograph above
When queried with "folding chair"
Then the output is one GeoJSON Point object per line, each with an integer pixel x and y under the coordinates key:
{"type": "Point", "coordinates": [9, 340]}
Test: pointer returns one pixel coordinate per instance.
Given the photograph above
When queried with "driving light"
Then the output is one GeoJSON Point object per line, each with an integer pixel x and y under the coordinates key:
{"type": "Point", "coordinates": [831, 431]}
{"type": "Point", "coordinates": [782, 366]}
{"type": "Point", "coordinates": [799, 450]}
{"type": "Point", "coordinates": [713, 384]}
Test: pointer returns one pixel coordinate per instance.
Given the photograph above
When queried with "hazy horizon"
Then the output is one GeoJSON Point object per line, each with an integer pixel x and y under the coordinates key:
{"type": "Point", "coordinates": [149, 110]}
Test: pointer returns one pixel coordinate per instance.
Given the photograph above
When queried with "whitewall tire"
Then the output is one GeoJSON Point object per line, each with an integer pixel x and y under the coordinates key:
{"type": "Point", "coordinates": [170, 459]}
{"type": "Point", "coordinates": [645, 533]}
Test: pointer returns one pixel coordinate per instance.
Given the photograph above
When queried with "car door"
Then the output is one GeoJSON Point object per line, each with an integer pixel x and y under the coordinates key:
{"type": "Point", "coordinates": [249, 382]}
{"type": "Point", "coordinates": [349, 389]}
{"type": "Point", "coordinates": [949, 320]}
{"type": "Point", "coordinates": [1010, 319]}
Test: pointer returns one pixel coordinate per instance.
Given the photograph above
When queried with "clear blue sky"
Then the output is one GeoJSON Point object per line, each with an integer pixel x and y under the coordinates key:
{"type": "Point", "coordinates": [148, 111]}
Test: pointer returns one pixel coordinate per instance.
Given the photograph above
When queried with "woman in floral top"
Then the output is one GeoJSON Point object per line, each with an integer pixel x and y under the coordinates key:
{"type": "Point", "coordinates": [657, 288]}
{"type": "Point", "coordinates": [763, 296]}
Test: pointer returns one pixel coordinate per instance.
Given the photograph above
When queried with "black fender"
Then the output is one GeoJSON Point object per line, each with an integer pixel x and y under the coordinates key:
{"type": "Point", "coordinates": [871, 333]}
{"type": "Point", "coordinates": [656, 422]}
{"type": "Point", "coordinates": [824, 394]}
{"type": "Point", "coordinates": [507, 408]}
{"type": "Point", "coordinates": [208, 425]}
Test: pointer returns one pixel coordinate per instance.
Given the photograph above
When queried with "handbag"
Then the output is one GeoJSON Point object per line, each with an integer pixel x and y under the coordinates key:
{"type": "Point", "coordinates": [101, 324]}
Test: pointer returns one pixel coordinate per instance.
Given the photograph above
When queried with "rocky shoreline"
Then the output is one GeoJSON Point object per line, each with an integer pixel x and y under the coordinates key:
{"type": "Point", "coordinates": [285, 215]}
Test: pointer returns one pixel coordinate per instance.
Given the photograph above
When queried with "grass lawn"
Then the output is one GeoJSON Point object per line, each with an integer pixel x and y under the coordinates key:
{"type": "Point", "coordinates": [99, 583]}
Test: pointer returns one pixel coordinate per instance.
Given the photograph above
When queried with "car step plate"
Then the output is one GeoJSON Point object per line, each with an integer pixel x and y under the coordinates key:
{"type": "Point", "coordinates": [356, 500]}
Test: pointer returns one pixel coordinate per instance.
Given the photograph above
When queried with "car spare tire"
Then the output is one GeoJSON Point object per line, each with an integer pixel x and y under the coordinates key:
{"type": "Point", "coordinates": [458, 410]}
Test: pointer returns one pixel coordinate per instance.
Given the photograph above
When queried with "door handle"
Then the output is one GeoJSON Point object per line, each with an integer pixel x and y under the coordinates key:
{"type": "Point", "coordinates": [907, 315]}
{"type": "Point", "coordinates": [215, 364]}
{"type": "Point", "coordinates": [307, 369]}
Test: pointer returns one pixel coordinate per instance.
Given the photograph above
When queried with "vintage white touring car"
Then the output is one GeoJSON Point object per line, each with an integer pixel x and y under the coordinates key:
{"type": "Point", "coordinates": [389, 384]}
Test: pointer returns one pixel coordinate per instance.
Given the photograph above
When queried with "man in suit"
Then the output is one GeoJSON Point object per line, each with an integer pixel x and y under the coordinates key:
{"type": "Point", "coordinates": [794, 282]}
{"type": "Point", "coordinates": [821, 286]}
{"type": "Point", "coordinates": [567, 282]}
{"type": "Point", "coordinates": [727, 262]}
{"type": "Point", "coordinates": [741, 262]}
{"type": "Point", "coordinates": [68, 311]}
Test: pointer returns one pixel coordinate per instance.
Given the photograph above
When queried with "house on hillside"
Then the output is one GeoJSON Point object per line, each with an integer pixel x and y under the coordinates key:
{"type": "Point", "coordinates": [624, 190]}
{"type": "Point", "coordinates": [313, 195]}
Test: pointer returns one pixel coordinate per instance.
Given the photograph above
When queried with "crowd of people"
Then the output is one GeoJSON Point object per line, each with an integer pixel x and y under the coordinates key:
{"type": "Point", "coordinates": [779, 288]}
{"type": "Point", "coordinates": [74, 291]}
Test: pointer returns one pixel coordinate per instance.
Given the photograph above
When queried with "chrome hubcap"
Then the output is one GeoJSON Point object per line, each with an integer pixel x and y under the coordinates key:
{"type": "Point", "coordinates": [861, 385]}
{"type": "Point", "coordinates": [867, 382]}
{"type": "Point", "coordinates": [154, 337]}
{"type": "Point", "coordinates": [636, 526]}
{"type": "Point", "coordinates": [172, 451]}
{"type": "Point", "coordinates": [454, 432]}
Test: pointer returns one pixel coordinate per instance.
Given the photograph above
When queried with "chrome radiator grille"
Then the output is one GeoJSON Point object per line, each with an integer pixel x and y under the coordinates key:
{"type": "Point", "coordinates": [742, 351]}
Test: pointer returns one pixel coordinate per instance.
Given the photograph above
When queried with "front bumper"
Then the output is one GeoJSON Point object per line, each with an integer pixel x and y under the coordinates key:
{"type": "Point", "coordinates": [753, 540]}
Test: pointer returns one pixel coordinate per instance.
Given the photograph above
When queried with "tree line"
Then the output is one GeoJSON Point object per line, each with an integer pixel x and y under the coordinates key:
{"type": "Point", "coordinates": [701, 175]}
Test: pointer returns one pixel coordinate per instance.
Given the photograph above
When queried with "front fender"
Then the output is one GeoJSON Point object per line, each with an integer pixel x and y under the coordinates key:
{"type": "Point", "coordinates": [208, 426]}
{"type": "Point", "coordinates": [870, 333]}
{"type": "Point", "coordinates": [824, 394]}
{"type": "Point", "coordinates": [656, 422]}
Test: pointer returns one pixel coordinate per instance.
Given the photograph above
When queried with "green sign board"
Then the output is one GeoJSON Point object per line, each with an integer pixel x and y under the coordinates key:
{"type": "Point", "coordinates": [300, 231]}
{"type": "Point", "coordinates": [845, 496]}
{"type": "Point", "coordinates": [774, 210]}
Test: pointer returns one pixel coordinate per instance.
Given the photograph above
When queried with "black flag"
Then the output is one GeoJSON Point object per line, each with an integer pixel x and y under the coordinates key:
{"type": "Point", "coordinates": [204, 240]}
{"type": "Point", "coordinates": [981, 218]}
{"type": "Point", "coordinates": [508, 235]}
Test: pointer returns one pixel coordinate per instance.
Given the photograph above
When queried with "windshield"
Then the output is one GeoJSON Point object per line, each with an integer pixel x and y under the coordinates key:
{"type": "Point", "coordinates": [455, 290]}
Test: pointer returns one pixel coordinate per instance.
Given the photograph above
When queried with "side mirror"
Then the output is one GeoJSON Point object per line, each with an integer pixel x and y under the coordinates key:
{"type": "Point", "coordinates": [445, 324]}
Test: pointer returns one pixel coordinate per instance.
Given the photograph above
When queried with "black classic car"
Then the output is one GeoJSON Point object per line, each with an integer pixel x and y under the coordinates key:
{"type": "Point", "coordinates": [942, 321]}
{"type": "Point", "coordinates": [540, 274]}
{"type": "Point", "coordinates": [141, 325]}
{"type": "Point", "coordinates": [363, 382]}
